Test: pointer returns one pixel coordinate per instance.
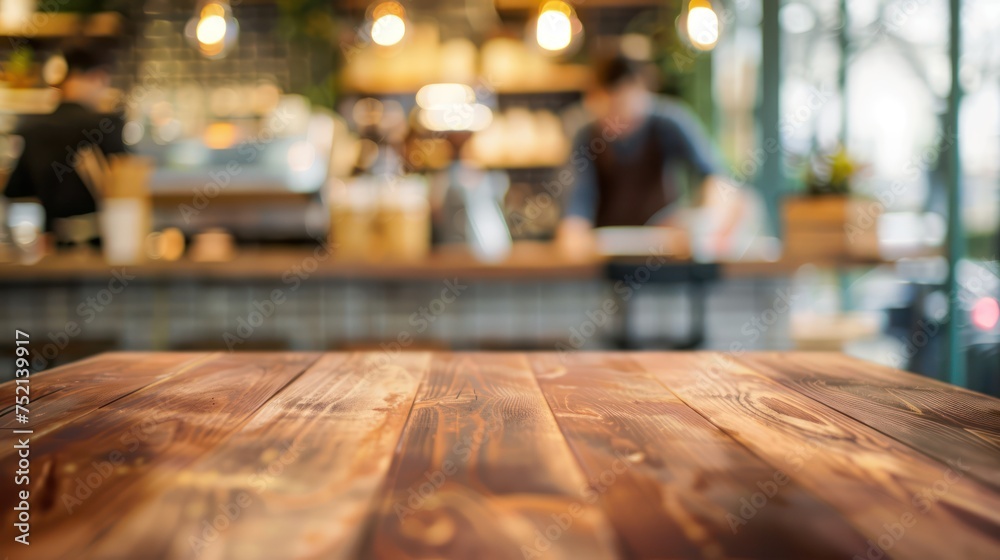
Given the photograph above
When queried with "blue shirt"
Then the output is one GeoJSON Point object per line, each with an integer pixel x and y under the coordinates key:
{"type": "Point", "coordinates": [681, 139]}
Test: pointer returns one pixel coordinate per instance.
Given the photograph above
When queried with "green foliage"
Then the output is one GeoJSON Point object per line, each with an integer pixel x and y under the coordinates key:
{"type": "Point", "coordinates": [685, 72]}
{"type": "Point", "coordinates": [831, 173]}
{"type": "Point", "coordinates": [313, 27]}
{"type": "Point", "coordinates": [20, 69]}
{"type": "Point", "coordinates": [307, 20]}
{"type": "Point", "coordinates": [21, 60]}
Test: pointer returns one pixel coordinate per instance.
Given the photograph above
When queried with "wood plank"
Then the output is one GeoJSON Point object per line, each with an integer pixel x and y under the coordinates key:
{"type": "Point", "coordinates": [43, 383]}
{"type": "Point", "coordinates": [89, 385]}
{"type": "Point", "coordinates": [86, 476]}
{"type": "Point", "coordinates": [482, 471]}
{"type": "Point", "coordinates": [940, 420]}
{"type": "Point", "coordinates": [673, 485]}
{"type": "Point", "coordinates": [906, 504]}
{"type": "Point", "coordinates": [297, 481]}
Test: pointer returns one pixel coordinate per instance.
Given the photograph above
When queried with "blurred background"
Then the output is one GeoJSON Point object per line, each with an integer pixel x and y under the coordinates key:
{"type": "Point", "coordinates": [392, 175]}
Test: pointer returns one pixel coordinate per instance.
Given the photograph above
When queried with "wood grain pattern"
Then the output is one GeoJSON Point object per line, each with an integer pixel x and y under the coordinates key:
{"type": "Point", "coordinates": [87, 386]}
{"type": "Point", "coordinates": [943, 421]}
{"type": "Point", "coordinates": [86, 474]}
{"type": "Point", "coordinates": [299, 477]}
{"type": "Point", "coordinates": [50, 381]}
{"type": "Point", "coordinates": [44, 383]}
{"type": "Point", "coordinates": [672, 484]}
{"type": "Point", "coordinates": [903, 502]}
{"type": "Point", "coordinates": [502, 455]}
{"type": "Point", "coordinates": [483, 472]}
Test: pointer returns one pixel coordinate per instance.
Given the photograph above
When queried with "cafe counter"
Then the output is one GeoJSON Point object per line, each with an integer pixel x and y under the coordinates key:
{"type": "Point", "coordinates": [528, 261]}
{"type": "Point", "coordinates": [302, 298]}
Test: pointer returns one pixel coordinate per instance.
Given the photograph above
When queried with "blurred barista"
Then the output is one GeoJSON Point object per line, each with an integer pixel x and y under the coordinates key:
{"type": "Point", "coordinates": [623, 162]}
{"type": "Point", "coordinates": [49, 165]}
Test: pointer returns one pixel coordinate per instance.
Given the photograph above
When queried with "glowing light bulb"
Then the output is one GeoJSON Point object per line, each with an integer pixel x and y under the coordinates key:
{"type": "Point", "coordinates": [388, 30]}
{"type": "Point", "coordinates": [554, 30]}
{"type": "Point", "coordinates": [211, 30]}
{"type": "Point", "coordinates": [702, 26]}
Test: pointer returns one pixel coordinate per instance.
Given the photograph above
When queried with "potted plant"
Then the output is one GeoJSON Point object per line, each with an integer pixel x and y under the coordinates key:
{"type": "Point", "coordinates": [816, 221]}
{"type": "Point", "coordinates": [20, 70]}
{"type": "Point", "coordinates": [831, 173]}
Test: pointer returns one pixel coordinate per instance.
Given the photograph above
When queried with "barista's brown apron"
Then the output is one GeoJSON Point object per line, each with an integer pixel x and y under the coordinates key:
{"type": "Point", "coordinates": [630, 186]}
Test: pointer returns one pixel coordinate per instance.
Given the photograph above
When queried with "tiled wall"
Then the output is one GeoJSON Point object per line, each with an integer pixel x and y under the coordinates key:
{"type": "Point", "coordinates": [344, 315]}
{"type": "Point", "coordinates": [159, 39]}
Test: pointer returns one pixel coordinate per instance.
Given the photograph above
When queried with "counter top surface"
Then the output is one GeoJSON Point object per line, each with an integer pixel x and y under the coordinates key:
{"type": "Point", "coordinates": [502, 455]}
{"type": "Point", "coordinates": [527, 261]}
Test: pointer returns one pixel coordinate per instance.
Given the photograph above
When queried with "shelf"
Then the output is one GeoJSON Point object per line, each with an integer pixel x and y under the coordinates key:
{"type": "Point", "coordinates": [527, 262]}
{"type": "Point", "coordinates": [590, 4]}
{"type": "Point", "coordinates": [563, 79]}
{"type": "Point", "coordinates": [61, 25]}
{"type": "Point", "coordinates": [28, 101]}
{"type": "Point", "coordinates": [532, 5]}
{"type": "Point", "coordinates": [527, 166]}
{"type": "Point", "coordinates": [553, 89]}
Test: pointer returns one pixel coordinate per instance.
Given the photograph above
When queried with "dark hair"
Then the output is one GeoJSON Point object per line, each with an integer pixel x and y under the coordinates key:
{"type": "Point", "coordinates": [86, 59]}
{"type": "Point", "coordinates": [614, 71]}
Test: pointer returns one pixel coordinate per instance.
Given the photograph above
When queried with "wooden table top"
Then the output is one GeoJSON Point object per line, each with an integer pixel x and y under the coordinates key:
{"type": "Point", "coordinates": [501, 455]}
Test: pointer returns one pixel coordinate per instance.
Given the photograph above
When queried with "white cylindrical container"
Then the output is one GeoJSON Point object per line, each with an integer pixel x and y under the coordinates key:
{"type": "Point", "coordinates": [124, 227]}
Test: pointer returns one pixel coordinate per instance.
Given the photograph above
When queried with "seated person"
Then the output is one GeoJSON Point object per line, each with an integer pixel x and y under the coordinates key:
{"type": "Point", "coordinates": [48, 165]}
